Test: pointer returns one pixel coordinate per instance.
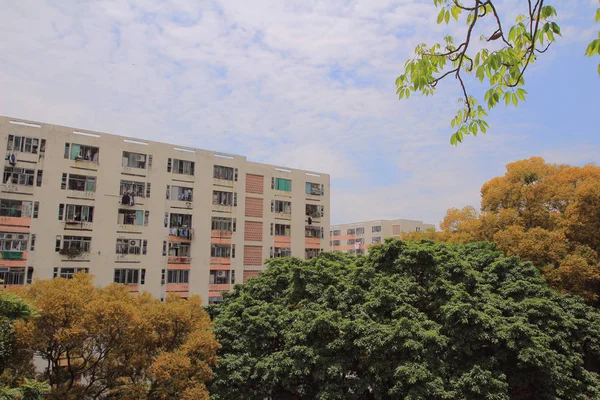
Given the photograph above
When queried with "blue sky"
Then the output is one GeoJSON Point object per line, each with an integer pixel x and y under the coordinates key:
{"type": "Point", "coordinates": [305, 84]}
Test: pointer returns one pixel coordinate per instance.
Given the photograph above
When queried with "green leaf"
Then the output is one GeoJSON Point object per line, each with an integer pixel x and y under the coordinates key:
{"type": "Point", "coordinates": [515, 100]}
{"type": "Point", "coordinates": [598, 15]}
{"type": "Point", "coordinates": [440, 17]}
{"type": "Point", "coordinates": [455, 12]}
{"type": "Point", "coordinates": [447, 17]}
{"type": "Point", "coordinates": [453, 140]}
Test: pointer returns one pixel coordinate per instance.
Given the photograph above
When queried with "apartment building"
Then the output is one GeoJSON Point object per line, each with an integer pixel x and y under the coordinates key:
{"type": "Point", "coordinates": [152, 216]}
{"type": "Point", "coordinates": [355, 238]}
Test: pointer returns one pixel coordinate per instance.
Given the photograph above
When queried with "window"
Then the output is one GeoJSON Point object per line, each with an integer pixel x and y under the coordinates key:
{"type": "Point", "coordinates": [282, 252]}
{"type": "Point", "coordinates": [376, 228]}
{"type": "Point", "coordinates": [180, 193]}
{"type": "Point", "coordinates": [180, 249]}
{"type": "Point", "coordinates": [38, 179]}
{"type": "Point", "coordinates": [283, 230]}
{"type": "Point", "coordinates": [280, 206]}
{"type": "Point", "coordinates": [138, 189]}
{"type": "Point", "coordinates": [223, 224]}
{"type": "Point", "coordinates": [36, 209]}
{"type": "Point", "coordinates": [25, 144]}
{"type": "Point", "coordinates": [224, 198]}
{"type": "Point", "coordinates": [336, 242]}
{"type": "Point", "coordinates": [14, 276]}
{"type": "Point", "coordinates": [32, 244]}
{"type": "Point", "coordinates": [82, 243]}
{"type": "Point", "coordinates": [311, 253]}
{"type": "Point", "coordinates": [220, 250]}
{"type": "Point", "coordinates": [68, 273]}
{"type": "Point", "coordinates": [351, 232]}
{"type": "Point", "coordinates": [178, 276]}
{"type": "Point", "coordinates": [281, 184]}
{"type": "Point", "coordinates": [360, 231]}
{"type": "Point", "coordinates": [80, 183]}
{"type": "Point", "coordinates": [75, 213]}
{"type": "Point", "coordinates": [219, 277]}
{"type": "Point", "coordinates": [180, 221]}
{"type": "Point", "coordinates": [15, 208]}
{"type": "Point", "coordinates": [315, 210]}
{"type": "Point", "coordinates": [13, 242]}
{"type": "Point", "coordinates": [131, 246]}
{"type": "Point", "coordinates": [132, 217]}
{"type": "Point", "coordinates": [180, 166]}
{"type": "Point", "coordinates": [337, 233]}
{"type": "Point", "coordinates": [313, 232]}
{"type": "Point", "coordinates": [224, 173]}
{"type": "Point", "coordinates": [360, 240]}
{"type": "Point", "coordinates": [315, 189]}
{"type": "Point", "coordinates": [376, 239]}
{"type": "Point", "coordinates": [133, 160]}
{"type": "Point", "coordinates": [418, 229]}
{"type": "Point", "coordinates": [127, 276]}
{"type": "Point", "coordinates": [82, 152]}
{"type": "Point", "coordinates": [350, 241]}
{"type": "Point", "coordinates": [19, 176]}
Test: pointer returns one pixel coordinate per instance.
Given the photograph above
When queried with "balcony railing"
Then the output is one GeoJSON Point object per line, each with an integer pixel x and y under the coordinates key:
{"type": "Point", "coordinates": [186, 233]}
{"type": "Point", "coordinates": [12, 255]}
{"type": "Point", "coordinates": [72, 252]}
{"type": "Point", "coordinates": [179, 260]}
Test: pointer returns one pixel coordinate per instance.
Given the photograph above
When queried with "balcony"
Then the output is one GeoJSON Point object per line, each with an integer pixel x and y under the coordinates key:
{"type": "Point", "coordinates": [219, 287]}
{"type": "Point", "coordinates": [15, 224]}
{"type": "Point", "coordinates": [285, 216]}
{"type": "Point", "coordinates": [181, 234]}
{"type": "Point", "coordinates": [178, 289]}
{"type": "Point", "coordinates": [222, 207]}
{"type": "Point", "coordinates": [73, 225]}
{"type": "Point", "coordinates": [312, 243]}
{"type": "Point", "coordinates": [17, 189]}
{"type": "Point", "coordinates": [220, 237]}
{"type": "Point", "coordinates": [13, 259]}
{"type": "Point", "coordinates": [283, 241]}
{"type": "Point", "coordinates": [179, 260]}
{"type": "Point", "coordinates": [223, 182]}
{"type": "Point", "coordinates": [220, 261]}
{"type": "Point", "coordinates": [74, 252]}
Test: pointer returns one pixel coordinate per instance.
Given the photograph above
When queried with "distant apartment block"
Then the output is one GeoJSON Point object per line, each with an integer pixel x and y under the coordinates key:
{"type": "Point", "coordinates": [152, 216]}
{"type": "Point", "coordinates": [356, 238]}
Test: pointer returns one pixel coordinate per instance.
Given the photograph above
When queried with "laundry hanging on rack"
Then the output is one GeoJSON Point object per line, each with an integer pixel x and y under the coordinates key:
{"type": "Point", "coordinates": [12, 160]}
{"type": "Point", "coordinates": [125, 199]}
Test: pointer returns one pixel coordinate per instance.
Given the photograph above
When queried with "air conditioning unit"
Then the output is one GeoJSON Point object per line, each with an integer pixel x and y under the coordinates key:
{"type": "Point", "coordinates": [221, 274]}
{"type": "Point", "coordinates": [9, 236]}
{"type": "Point", "coordinates": [140, 157]}
{"type": "Point", "coordinates": [133, 243]}
{"type": "Point", "coordinates": [21, 237]}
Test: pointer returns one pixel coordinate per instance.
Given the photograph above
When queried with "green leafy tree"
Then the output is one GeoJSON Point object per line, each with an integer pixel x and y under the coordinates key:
{"type": "Point", "coordinates": [409, 321]}
{"type": "Point", "coordinates": [500, 58]}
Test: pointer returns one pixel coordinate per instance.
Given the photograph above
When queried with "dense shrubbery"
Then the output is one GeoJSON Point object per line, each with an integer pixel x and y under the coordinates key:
{"type": "Point", "coordinates": [410, 320]}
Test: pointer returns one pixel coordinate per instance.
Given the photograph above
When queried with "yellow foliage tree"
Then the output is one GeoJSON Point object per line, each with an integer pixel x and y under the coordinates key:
{"type": "Point", "coordinates": [106, 343]}
{"type": "Point", "coordinates": [548, 214]}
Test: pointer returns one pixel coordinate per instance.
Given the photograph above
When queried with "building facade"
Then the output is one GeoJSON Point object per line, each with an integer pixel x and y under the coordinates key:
{"type": "Point", "coordinates": [153, 216]}
{"type": "Point", "coordinates": [355, 238]}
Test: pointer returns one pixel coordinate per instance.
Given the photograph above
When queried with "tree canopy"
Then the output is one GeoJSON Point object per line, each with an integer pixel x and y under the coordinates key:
{"type": "Point", "coordinates": [410, 320]}
{"type": "Point", "coordinates": [106, 343]}
{"type": "Point", "coordinates": [500, 57]}
{"type": "Point", "coordinates": [548, 214]}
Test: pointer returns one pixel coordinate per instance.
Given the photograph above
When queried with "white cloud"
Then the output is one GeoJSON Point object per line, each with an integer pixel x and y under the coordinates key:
{"type": "Point", "coordinates": [305, 84]}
